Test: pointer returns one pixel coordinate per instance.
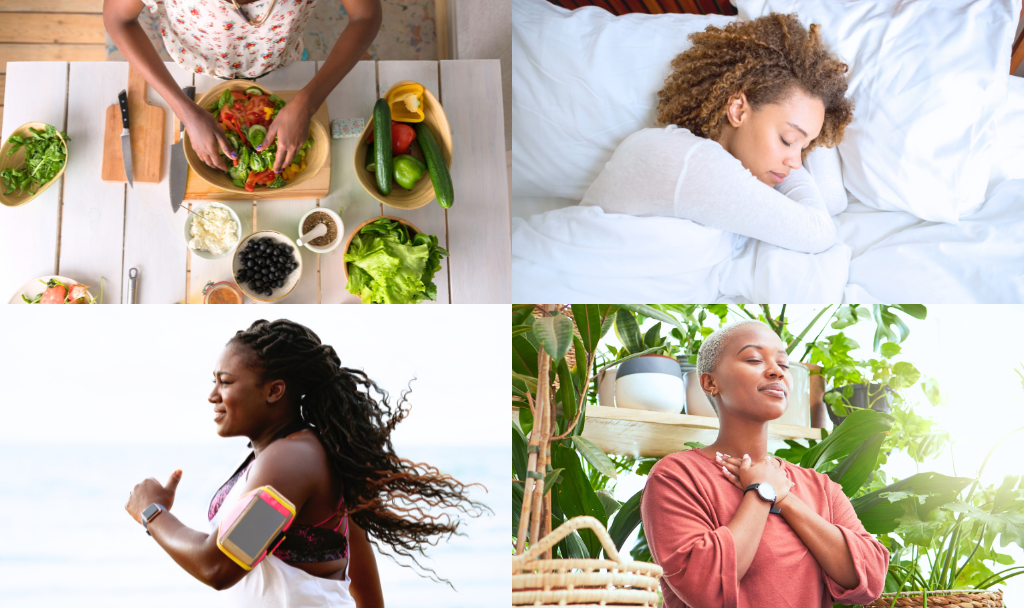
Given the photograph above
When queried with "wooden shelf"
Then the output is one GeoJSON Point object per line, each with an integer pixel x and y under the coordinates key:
{"type": "Point", "coordinates": [640, 433]}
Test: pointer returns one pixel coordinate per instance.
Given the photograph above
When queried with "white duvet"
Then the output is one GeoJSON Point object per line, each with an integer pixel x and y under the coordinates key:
{"type": "Point", "coordinates": [581, 254]}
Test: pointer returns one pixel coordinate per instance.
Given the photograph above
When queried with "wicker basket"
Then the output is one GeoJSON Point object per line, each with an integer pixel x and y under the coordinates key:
{"type": "Point", "coordinates": [611, 582]}
{"type": "Point", "coordinates": [971, 598]}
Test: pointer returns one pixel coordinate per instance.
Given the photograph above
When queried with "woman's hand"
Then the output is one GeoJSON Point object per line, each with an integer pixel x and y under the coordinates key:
{"type": "Point", "coordinates": [150, 491]}
{"type": "Point", "coordinates": [742, 472]}
{"type": "Point", "coordinates": [291, 128]}
{"type": "Point", "coordinates": [207, 138]}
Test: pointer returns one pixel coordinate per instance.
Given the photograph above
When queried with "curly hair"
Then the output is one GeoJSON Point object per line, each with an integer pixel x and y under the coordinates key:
{"type": "Point", "coordinates": [767, 59]}
{"type": "Point", "coordinates": [391, 498]}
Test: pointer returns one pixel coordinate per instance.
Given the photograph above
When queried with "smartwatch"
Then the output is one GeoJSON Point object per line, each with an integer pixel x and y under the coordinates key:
{"type": "Point", "coordinates": [765, 492]}
{"type": "Point", "coordinates": [150, 513]}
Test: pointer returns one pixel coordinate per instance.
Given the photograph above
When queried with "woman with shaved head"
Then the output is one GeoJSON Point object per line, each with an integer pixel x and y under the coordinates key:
{"type": "Point", "coordinates": [737, 527]}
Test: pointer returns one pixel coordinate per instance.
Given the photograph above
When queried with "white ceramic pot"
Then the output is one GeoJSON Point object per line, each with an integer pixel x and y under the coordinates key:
{"type": "Point", "coordinates": [697, 401]}
{"type": "Point", "coordinates": [650, 382]}
{"type": "Point", "coordinates": [606, 387]}
{"type": "Point", "coordinates": [798, 409]}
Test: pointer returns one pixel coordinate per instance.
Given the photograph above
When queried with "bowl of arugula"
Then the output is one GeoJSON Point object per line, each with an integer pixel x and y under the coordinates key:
{"type": "Point", "coordinates": [31, 160]}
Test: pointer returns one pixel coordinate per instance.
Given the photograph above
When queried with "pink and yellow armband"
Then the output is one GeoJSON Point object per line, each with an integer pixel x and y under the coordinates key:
{"type": "Point", "coordinates": [254, 526]}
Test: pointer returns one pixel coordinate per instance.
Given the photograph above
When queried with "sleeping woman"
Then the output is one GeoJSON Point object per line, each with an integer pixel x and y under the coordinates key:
{"type": "Point", "coordinates": [666, 218]}
{"type": "Point", "coordinates": [743, 107]}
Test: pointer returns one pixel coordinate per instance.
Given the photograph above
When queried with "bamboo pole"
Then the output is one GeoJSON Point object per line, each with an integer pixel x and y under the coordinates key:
{"type": "Point", "coordinates": [544, 418]}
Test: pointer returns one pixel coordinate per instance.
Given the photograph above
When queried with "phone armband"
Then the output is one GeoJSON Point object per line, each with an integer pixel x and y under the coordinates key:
{"type": "Point", "coordinates": [254, 526]}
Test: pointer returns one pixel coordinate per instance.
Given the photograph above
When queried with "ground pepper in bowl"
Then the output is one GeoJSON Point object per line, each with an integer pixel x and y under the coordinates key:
{"type": "Point", "coordinates": [320, 217]}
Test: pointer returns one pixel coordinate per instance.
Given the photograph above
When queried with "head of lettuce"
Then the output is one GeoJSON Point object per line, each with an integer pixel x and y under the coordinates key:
{"type": "Point", "coordinates": [387, 264]}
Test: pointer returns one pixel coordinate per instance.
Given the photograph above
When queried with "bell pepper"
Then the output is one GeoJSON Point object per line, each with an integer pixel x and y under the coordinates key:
{"type": "Point", "coordinates": [408, 170]}
{"type": "Point", "coordinates": [406, 103]}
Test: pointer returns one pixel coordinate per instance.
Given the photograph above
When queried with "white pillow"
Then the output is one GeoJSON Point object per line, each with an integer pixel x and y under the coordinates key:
{"type": "Point", "coordinates": [927, 78]}
{"type": "Point", "coordinates": [582, 81]}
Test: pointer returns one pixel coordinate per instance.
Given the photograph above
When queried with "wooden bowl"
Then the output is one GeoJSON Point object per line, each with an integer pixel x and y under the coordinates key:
{"type": "Point", "coordinates": [348, 240]}
{"type": "Point", "coordinates": [423, 192]}
{"type": "Point", "coordinates": [18, 159]}
{"type": "Point", "coordinates": [290, 282]}
{"type": "Point", "coordinates": [316, 155]}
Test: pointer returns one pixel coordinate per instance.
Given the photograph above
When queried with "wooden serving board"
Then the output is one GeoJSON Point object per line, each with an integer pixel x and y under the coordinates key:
{"type": "Point", "coordinates": [146, 125]}
{"type": "Point", "coordinates": [198, 190]}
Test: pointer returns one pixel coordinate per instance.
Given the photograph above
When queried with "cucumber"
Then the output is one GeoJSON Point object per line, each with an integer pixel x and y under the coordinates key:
{"type": "Point", "coordinates": [256, 134]}
{"type": "Point", "coordinates": [383, 154]}
{"type": "Point", "coordinates": [436, 167]}
{"type": "Point", "coordinates": [253, 91]}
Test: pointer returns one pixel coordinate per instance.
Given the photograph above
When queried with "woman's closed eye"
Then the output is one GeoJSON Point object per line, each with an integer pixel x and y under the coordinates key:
{"type": "Point", "coordinates": [789, 144]}
{"type": "Point", "coordinates": [782, 365]}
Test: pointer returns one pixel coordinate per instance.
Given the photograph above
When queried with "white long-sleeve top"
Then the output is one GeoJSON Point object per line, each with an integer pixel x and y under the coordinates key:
{"type": "Point", "coordinates": [670, 172]}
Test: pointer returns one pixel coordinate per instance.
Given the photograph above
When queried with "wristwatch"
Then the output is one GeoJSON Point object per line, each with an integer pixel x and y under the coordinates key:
{"type": "Point", "coordinates": [150, 513]}
{"type": "Point", "coordinates": [765, 492]}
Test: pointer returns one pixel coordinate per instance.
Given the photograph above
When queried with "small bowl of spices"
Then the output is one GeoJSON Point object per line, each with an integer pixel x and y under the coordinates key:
{"type": "Point", "coordinates": [335, 229]}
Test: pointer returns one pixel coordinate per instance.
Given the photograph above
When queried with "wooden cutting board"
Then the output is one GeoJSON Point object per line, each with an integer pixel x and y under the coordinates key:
{"type": "Point", "coordinates": [198, 190]}
{"type": "Point", "coordinates": [146, 126]}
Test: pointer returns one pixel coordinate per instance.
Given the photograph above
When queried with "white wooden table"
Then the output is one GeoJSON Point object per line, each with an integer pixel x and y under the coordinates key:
{"type": "Point", "coordinates": [84, 228]}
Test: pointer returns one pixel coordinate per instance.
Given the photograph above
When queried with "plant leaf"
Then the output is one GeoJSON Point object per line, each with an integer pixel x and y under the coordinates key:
{"type": "Point", "coordinates": [576, 496]}
{"type": "Point", "coordinates": [879, 515]}
{"type": "Point", "coordinates": [847, 437]}
{"type": "Point", "coordinates": [853, 471]}
{"type": "Point", "coordinates": [593, 321]}
{"type": "Point", "coordinates": [524, 356]}
{"type": "Point", "coordinates": [554, 335]}
{"type": "Point", "coordinates": [517, 506]}
{"type": "Point", "coordinates": [552, 478]}
{"type": "Point", "coordinates": [519, 455]}
{"type": "Point", "coordinates": [595, 456]}
{"type": "Point", "coordinates": [654, 313]}
{"type": "Point", "coordinates": [626, 520]}
{"type": "Point", "coordinates": [608, 500]}
{"type": "Point", "coordinates": [628, 331]}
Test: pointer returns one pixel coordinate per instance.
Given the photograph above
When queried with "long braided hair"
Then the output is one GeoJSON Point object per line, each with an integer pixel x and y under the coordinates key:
{"type": "Point", "coordinates": [396, 501]}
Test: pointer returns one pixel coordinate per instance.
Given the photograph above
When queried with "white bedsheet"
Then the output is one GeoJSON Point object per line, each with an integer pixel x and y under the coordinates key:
{"type": "Point", "coordinates": [582, 254]}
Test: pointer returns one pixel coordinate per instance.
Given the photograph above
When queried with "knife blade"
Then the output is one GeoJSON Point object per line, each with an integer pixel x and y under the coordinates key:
{"type": "Point", "coordinates": [179, 166]}
{"type": "Point", "coordinates": [126, 141]}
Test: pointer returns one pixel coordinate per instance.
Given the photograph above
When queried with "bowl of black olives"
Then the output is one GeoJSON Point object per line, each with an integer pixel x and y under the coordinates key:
{"type": "Point", "coordinates": [266, 265]}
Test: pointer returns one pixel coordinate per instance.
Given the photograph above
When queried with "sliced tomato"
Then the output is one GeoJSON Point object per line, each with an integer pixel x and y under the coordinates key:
{"type": "Point", "coordinates": [254, 110]}
{"type": "Point", "coordinates": [238, 94]}
{"type": "Point", "coordinates": [54, 295]}
{"type": "Point", "coordinates": [78, 294]}
{"type": "Point", "coordinates": [231, 116]}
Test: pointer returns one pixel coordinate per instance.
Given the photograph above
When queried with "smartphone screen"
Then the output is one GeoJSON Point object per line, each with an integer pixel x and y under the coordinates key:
{"type": "Point", "coordinates": [256, 528]}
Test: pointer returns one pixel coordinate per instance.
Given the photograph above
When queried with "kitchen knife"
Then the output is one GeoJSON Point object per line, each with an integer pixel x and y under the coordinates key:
{"type": "Point", "coordinates": [179, 166]}
{"type": "Point", "coordinates": [126, 141]}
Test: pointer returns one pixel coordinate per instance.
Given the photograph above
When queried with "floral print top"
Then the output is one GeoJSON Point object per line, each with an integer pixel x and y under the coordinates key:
{"type": "Point", "coordinates": [210, 37]}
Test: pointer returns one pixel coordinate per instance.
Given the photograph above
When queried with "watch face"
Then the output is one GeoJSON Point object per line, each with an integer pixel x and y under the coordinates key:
{"type": "Point", "coordinates": [766, 491]}
{"type": "Point", "coordinates": [150, 511]}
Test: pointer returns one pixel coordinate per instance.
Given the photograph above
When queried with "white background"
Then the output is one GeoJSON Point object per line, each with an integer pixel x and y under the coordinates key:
{"type": "Point", "coordinates": [136, 379]}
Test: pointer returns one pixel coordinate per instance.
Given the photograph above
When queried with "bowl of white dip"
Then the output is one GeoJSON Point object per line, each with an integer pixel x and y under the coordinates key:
{"type": "Point", "coordinates": [212, 230]}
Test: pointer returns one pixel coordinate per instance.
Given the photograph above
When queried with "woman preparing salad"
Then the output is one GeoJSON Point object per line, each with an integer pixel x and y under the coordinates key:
{"type": "Point", "coordinates": [245, 118]}
{"type": "Point", "coordinates": [231, 39]}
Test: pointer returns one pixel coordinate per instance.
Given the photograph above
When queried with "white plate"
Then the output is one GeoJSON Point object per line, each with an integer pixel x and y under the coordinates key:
{"type": "Point", "coordinates": [290, 282]}
{"type": "Point", "coordinates": [34, 288]}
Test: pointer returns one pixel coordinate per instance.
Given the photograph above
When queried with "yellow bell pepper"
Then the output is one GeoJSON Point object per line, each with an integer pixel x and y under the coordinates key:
{"type": "Point", "coordinates": [406, 103]}
{"type": "Point", "coordinates": [269, 112]}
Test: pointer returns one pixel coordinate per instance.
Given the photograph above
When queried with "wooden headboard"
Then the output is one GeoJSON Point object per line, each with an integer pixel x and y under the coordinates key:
{"type": "Point", "coordinates": [654, 7]}
{"type": "Point", "coordinates": [717, 7]}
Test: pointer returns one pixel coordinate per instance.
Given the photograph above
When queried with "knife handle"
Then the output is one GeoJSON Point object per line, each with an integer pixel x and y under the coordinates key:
{"type": "Point", "coordinates": [189, 92]}
{"type": "Point", "coordinates": [122, 100]}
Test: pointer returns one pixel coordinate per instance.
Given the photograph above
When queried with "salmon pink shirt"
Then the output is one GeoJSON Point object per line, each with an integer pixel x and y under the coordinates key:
{"type": "Point", "coordinates": [686, 505]}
